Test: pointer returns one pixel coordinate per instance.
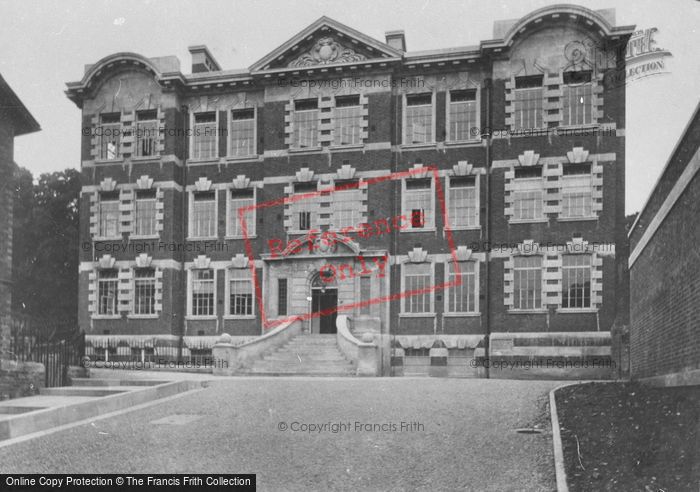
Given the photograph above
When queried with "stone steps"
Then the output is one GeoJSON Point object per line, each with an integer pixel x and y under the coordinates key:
{"type": "Point", "coordinates": [304, 355]}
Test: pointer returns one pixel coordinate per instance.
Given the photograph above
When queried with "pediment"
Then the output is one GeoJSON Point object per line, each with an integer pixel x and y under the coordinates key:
{"type": "Point", "coordinates": [325, 43]}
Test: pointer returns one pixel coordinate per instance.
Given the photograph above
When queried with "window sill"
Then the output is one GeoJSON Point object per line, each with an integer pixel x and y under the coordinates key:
{"type": "Point", "coordinates": [200, 318]}
{"type": "Point", "coordinates": [527, 311]}
{"type": "Point", "coordinates": [461, 315]}
{"type": "Point", "coordinates": [426, 145]}
{"type": "Point", "coordinates": [346, 147]}
{"type": "Point", "coordinates": [239, 158]}
{"type": "Point", "coordinates": [106, 316]}
{"type": "Point", "coordinates": [109, 161]}
{"type": "Point", "coordinates": [307, 149]}
{"type": "Point", "coordinates": [231, 238]}
{"type": "Point", "coordinates": [576, 310]}
{"type": "Point", "coordinates": [142, 316]}
{"type": "Point", "coordinates": [472, 141]}
{"type": "Point", "coordinates": [150, 236]}
{"type": "Point", "coordinates": [420, 229]}
{"type": "Point", "coordinates": [416, 315]}
{"type": "Point", "coordinates": [528, 221]}
{"type": "Point", "coordinates": [464, 228]}
{"type": "Point", "coordinates": [145, 158]}
{"type": "Point", "coordinates": [233, 316]}
{"type": "Point", "coordinates": [201, 238]}
{"type": "Point", "coordinates": [583, 126]}
{"type": "Point", "coordinates": [203, 160]}
{"type": "Point", "coordinates": [577, 219]}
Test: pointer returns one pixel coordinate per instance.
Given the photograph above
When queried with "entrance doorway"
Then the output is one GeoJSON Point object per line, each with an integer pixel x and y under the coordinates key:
{"type": "Point", "coordinates": [324, 301]}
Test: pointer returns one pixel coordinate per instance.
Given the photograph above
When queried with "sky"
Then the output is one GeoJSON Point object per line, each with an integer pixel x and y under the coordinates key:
{"type": "Point", "coordinates": [46, 44]}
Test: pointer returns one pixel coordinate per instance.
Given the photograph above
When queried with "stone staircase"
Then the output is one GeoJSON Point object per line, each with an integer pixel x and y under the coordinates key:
{"type": "Point", "coordinates": [304, 355]}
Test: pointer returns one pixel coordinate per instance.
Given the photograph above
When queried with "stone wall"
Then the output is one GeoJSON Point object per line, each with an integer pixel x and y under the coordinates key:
{"type": "Point", "coordinates": [18, 379]}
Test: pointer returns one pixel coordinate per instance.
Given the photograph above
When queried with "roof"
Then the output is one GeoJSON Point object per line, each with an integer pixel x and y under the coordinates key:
{"type": "Point", "coordinates": [22, 119]}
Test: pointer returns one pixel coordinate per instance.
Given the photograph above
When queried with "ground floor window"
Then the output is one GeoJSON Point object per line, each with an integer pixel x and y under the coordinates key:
{"type": "Point", "coordinates": [240, 292]}
{"type": "Point", "coordinates": [107, 292]}
{"type": "Point", "coordinates": [203, 289]}
{"type": "Point", "coordinates": [461, 296]}
{"type": "Point", "coordinates": [416, 287]}
{"type": "Point", "coordinates": [576, 281]}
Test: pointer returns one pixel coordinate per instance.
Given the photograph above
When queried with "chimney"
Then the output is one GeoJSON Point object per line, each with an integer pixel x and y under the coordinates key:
{"type": "Point", "coordinates": [202, 60]}
{"type": "Point", "coordinates": [396, 39]}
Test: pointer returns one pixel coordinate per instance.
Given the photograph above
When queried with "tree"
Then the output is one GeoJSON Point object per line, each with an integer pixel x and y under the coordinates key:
{"type": "Point", "coordinates": [45, 245]}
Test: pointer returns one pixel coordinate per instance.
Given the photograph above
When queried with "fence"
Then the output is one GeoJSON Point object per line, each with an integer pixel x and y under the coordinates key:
{"type": "Point", "coordinates": [56, 344]}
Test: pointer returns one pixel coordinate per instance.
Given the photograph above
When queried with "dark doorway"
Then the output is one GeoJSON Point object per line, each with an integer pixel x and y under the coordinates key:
{"type": "Point", "coordinates": [325, 301]}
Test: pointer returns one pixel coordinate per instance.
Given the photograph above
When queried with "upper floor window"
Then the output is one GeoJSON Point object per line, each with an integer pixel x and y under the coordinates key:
{"type": "Point", "coordinates": [240, 292]}
{"type": "Point", "coordinates": [417, 280]}
{"type": "Point", "coordinates": [303, 210]}
{"type": "Point", "coordinates": [242, 142]}
{"type": "Point", "coordinates": [527, 101]}
{"type": "Point", "coordinates": [146, 133]}
{"type": "Point", "coordinates": [528, 193]}
{"type": "Point", "coordinates": [527, 278]}
{"type": "Point", "coordinates": [461, 296]}
{"type": "Point", "coordinates": [204, 216]}
{"type": "Point", "coordinates": [346, 204]}
{"type": "Point", "coordinates": [205, 136]}
{"type": "Point", "coordinates": [109, 214]}
{"type": "Point", "coordinates": [238, 200]}
{"type": "Point", "coordinates": [203, 290]}
{"type": "Point", "coordinates": [463, 202]}
{"type": "Point", "coordinates": [576, 281]}
{"type": "Point", "coordinates": [419, 119]}
{"type": "Point", "coordinates": [418, 203]}
{"type": "Point", "coordinates": [462, 114]}
{"type": "Point", "coordinates": [576, 191]}
{"type": "Point", "coordinates": [577, 98]}
{"type": "Point", "coordinates": [110, 135]}
{"type": "Point", "coordinates": [306, 123]}
{"type": "Point", "coordinates": [107, 282]}
{"type": "Point", "coordinates": [348, 121]}
{"type": "Point", "coordinates": [145, 291]}
{"type": "Point", "coordinates": [145, 212]}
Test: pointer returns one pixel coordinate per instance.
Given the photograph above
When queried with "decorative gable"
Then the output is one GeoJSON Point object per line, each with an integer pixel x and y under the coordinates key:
{"type": "Point", "coordinates": [325, 42]}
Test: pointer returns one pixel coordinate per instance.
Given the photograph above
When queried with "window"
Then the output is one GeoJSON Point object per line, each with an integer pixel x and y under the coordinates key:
{"type": "Point", "coordinates": [528, 193]}
{"type": "Point", "coordinates": [577, 98]}
{"type": "Point", "coordinates": [348, 121]}
{"type": "Point", "coordinates": [240, 199]}
{"type": "Point", "coordinates": [145, 291]}
{"type": "Point", "coordinates": [527, 101]}
{"type": "Point", "coordinates": [240, 292]}
{"type": "Point", "coordinates": [576, 191]}
{"type": "Point", "coordinates": [202, 292]}
{"type": "Point", "coordinates": [306, 124]}
{"type": "Point", "coordinates": [463, 202]}
{"type": "Point", "coordinates": [110, 133]}
{"type": "Point", "coordinates": [419, 119]}
{"type": "Point", "coordinates": [301, 209]}
{"type": "Point", "coordinates": [417, 277]}
{"type": "Point", "coordinates": [281, 297]}
{"type": "Point", "coordinates": [576, 281]}
{"type": "Point", "coordinates": [418, 203]}
{"type": "Point", "coordinates": [109, 214]}
{"type": "Point", "coordinates": [365, 294]}
{"type": "Point", "coordinates": [346, 204]}
{"type": "Point", "coordinates": [146, 133]}
{"type": "Point", "coordinates": [242, 132]}
{"type": "Point", "coordinates": [203, 214]}
{"type": "Point", "coordinates": [145, 211]}
{"type": "Point", "coordinates": [204, 136]}
{"type": "Point", "coordinates": [461, 298]}
{"type": "Point", "coordinates": [528, 282]}
{"type": "Point", "coordinates": [107, 292]}
{"type": "Point", "coordinates": [463, 114]}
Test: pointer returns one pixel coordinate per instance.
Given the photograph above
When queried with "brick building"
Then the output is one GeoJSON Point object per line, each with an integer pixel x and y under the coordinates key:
{"type": "Point", "coordinates": [15, 120]}
{"type": "Point", "coordinates": [664, 266]}
{"type": "Point", "coordinates": [520, 139]}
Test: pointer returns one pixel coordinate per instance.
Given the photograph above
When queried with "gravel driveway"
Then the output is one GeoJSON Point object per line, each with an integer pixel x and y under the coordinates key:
{"type": "Point", "coordinates": [321, 434]}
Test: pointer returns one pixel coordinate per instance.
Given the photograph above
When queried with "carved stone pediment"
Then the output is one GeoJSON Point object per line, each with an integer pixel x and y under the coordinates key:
{"type": "Point", "coordinates": [528, 247]}
{"type": "Point", "coordinates": [144, 183]}
{"type": "Point", "coordinates": [143, 260]}
{"type": "Point", "coordinates": [201, 262]}
{"type": "Point", "coordinates": [325, 51]}
{"type": "Point", "coordinates": [417, 255]}
{"type": "Point", "coordinates": [528, 158]}
{"type": "Point", "coordinates": [107, 261]}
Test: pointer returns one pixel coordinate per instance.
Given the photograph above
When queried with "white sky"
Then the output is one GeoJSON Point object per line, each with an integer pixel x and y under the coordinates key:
{"type": "Point", "coordinates": [46, 44]}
